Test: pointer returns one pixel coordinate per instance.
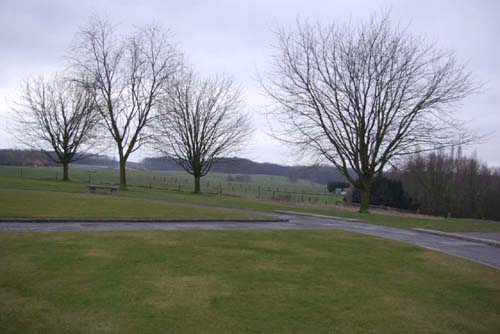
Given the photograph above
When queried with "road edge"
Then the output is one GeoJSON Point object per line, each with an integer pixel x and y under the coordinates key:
{"type": "Point", "coordinates": [315, 215]}
{"type": "Point", "coordinates": [489, 242]}
{"type": "Point", "coordinates": [142, 220]}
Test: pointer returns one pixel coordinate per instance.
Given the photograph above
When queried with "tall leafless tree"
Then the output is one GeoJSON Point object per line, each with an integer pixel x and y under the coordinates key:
{"type": "Point", "coordinates": [201, 120]}
{"type": "Point", "coordinates": [57, 116]}
{"type": "Point", "coordinates": [362, 96]}
{"type": "Point", "coordinates": [129, 74]}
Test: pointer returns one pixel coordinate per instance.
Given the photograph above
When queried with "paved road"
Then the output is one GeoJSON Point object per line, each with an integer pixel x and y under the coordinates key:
{"type": "Point", "coordinates": [477, 252]}
{"type": "Point", "coordinates": [491, 236]}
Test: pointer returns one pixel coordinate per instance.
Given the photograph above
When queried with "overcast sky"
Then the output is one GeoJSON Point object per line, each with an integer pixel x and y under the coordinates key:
{"type": "Point", "coordinates": [234, 37]}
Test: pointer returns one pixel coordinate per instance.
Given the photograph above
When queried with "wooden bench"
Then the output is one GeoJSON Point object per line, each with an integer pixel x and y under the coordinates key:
{"type": "Point", "coordinates": [93, 188]}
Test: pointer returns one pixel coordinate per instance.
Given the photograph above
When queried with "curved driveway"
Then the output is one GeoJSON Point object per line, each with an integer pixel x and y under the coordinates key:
{"type": "Point", "coordinates": [477, 252]}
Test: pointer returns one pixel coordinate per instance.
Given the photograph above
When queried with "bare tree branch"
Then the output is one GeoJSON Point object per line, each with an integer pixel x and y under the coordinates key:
{"type": "Point", "coordinates": [129, 74]}
{"type": "Point", "coordinates": [58, 117]}
{"type": "Point", "coordinates": [200, 121]}
{"type": "Point", "coordinates": [363, 96]}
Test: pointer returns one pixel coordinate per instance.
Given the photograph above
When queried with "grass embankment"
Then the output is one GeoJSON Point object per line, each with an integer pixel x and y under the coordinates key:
{"type": "Point", "coordinates": [29, 204]}
{"type": "Point", "coordinates": [239, 282]}
{"type": "Point", "coordinates": [399, 221]}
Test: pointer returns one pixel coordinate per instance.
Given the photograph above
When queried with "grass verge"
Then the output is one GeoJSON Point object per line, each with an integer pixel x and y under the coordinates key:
{"type": "Point", "coordinates": [25, 203]}
{"type": "Point", "coordinates": [398, 221]}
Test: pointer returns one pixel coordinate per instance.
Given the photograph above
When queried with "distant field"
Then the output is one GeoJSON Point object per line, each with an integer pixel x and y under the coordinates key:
{"type": "Point", "coordinates": [238, 282]}
{"type": "Point", "coordinates": [399, 221]}
{"type": "Point", "coordinates": [258, 186]}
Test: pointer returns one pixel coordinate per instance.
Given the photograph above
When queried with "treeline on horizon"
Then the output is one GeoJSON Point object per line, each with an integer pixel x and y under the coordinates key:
{"type": "Point", "coordinates": [315, 173]}
{"type": "Point", "coordinates": [440, 184]}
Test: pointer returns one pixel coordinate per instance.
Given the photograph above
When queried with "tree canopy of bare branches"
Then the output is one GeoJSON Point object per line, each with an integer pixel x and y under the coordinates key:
{"type": "Point", "coordinates": [201, 120]}
{"type": "Point", "coordinates": [451, 183]}
{"type": "Point", "coordinates": [362, 96]}
{"type": "Point", "coordinates": [129, 73]}
{"type": "Point", "coordinates": [57, 116]}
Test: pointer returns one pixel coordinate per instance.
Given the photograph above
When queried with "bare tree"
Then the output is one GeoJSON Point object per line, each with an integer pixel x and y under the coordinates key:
{"type": "Point", "coordinates": [129, 74]}
{"type": "Point", "coordinates": [57, 116]}
{"type": "Point", "coordinates": [360, 97]}
{"type": "Point", "coordinates": [201, 121]}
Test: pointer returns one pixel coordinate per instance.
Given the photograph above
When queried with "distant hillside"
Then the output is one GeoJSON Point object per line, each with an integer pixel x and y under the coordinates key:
{"type": "Point", "coordinates": [11, 157]}
{"type": "Point", "coordinates": [319, 174]}
{"type": "Point", "coordinates": [25, 158]}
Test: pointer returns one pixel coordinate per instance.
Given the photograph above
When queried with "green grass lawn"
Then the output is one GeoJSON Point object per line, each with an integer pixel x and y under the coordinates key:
{"type": "Point", "coordinates": [46, 185]}
{"type": "Point", "coordinates": [238, 282]}
{"type": "Point", "coordinates": [405, 222]}
{"type": "Point", "coordinates": [26, 203]}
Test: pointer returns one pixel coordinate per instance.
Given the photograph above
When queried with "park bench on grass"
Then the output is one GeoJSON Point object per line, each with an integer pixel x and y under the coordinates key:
{"type": "Point", "coordinates": [93, 188]}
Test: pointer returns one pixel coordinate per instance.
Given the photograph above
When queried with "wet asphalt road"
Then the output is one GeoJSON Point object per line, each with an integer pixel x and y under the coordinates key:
{"type": "Point", "coordinates": [476, 252]}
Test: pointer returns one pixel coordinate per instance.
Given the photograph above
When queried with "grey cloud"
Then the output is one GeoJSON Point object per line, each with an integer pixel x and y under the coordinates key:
{"type": "Point", "coordinates": [234, 36]}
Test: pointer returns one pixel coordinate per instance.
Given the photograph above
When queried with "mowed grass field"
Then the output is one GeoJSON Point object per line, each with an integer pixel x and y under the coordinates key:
{"type": "Point", "coordinates": [238, 282]}
{"type": "Point", "coordinates": [40, 193]}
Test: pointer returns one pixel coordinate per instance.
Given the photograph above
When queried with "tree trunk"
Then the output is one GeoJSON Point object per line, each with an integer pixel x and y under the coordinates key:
{"type": "Point", "coordinates": [365, 201]}
{"type": "Point", "coordinates": [197, 184]}
{"type": "Point", "coordinates": [65, 171]}
{"type": "Point", "coordinates": [123, 176]}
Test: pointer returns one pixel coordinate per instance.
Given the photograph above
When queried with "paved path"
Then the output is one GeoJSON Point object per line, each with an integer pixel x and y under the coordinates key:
{"type": "Point", "coordinates": [491, 236]}
{"type": "Point", "coordinates": [477, 252]}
